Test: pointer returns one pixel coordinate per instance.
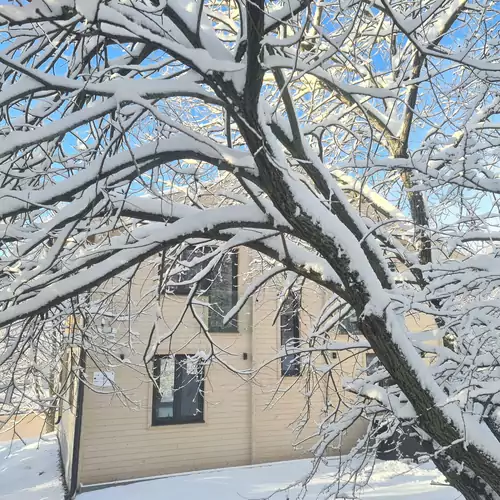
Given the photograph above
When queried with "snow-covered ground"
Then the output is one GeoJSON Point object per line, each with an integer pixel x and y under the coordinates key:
{"type": "Point", "coordinates": [390, 480]}
{"type": "Point", "coordinates": [30, 472]}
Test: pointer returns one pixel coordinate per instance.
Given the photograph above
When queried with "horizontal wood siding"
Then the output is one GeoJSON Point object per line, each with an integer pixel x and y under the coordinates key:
{"type": "Point", "coordinates": [245, 421]}
{"type": "Point", "coordinates": [118, 440]}
{"type": "Point", "coordinates": [278, 402]}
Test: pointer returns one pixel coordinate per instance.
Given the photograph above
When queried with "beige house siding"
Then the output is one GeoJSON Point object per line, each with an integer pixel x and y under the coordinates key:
{"type": "Point", "coordinates": [277, 401]}
{"type": "Point", "coordinates": [119, 441]}
{"type": "Point", "coordinates": [245, 422]}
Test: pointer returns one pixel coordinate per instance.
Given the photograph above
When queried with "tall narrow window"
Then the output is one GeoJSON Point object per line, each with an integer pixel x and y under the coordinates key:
{"type": "Point", "coordinates": [290, 334]}
{"type": "Point", "coordinates": [223, 294]}
{"type": "Point", "coordinates": [178, 392]}
{"type": "Point", "coordinates": [370, 358]}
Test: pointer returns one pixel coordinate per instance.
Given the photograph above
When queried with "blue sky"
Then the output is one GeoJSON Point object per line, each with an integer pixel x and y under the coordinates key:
{"type": "Point", "coordinates": [380, 63]}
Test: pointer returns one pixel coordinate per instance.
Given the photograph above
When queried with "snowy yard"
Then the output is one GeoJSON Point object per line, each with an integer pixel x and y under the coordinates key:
{"type": "Point", "coordinates": [30, 473]}
{"type": "Point", "coordinates": [391, 480]}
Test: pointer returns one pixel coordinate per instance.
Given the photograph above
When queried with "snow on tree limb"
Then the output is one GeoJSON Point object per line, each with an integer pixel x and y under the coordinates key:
{"type": "Point", "coordinates": [349, 147]}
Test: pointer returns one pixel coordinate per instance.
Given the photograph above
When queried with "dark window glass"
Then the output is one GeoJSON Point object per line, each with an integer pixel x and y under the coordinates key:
{"type": "Point", "coordinates": [178, 392]}
{"type": "Point", "coordinates": [290, 334]}
{"type": "Point", "coordinates": [220, 285]}
{"type": "Point", "coordinates": [223, 294]}
{"type": "Point", "coordinates": [188, 271]}
{"type": "Point", "coordinates": [349, 325]}
{"type": "Point", "coordinates": [372, 358]}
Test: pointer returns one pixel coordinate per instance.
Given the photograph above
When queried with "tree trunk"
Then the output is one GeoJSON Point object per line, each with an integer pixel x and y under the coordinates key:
{"type": "Point", "coordinates": [376, 328]}
{"type": "Point", "coordinates": [471, 471]}
{"type": "Point", "coordinates": [462, 478]}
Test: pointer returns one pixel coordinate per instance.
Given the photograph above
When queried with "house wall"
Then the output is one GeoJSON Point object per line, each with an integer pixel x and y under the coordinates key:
{"type": "Point", "coordinates": [285, 420]}
{"type": "Point", "coordinates": [276, 401]}
{"type": "Point", "coordinates": [118, 440]}
{"type": "Point", "coordinates": [245, 422]}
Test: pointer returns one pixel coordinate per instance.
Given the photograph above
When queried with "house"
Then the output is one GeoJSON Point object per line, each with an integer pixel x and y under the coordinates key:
{"type": "Point", "coordinates": [246, 406]}
{"type": "Point", "coordinates": [146, 430]}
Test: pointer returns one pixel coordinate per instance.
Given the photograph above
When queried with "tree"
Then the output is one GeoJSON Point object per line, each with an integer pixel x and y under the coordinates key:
{"type": "Point", "coordinates": [292, 118]}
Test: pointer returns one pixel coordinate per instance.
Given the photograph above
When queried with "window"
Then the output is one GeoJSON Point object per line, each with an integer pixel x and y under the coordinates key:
{"type": "Point", "coordinates": [290, 334]}
{"type": "Point", "coordinates": [220, 285]}
{"type": "Point", "coordinates": [223, 294]}
{"type": "Point", "coordinates": [178, 392]}
{"type": "Point", "coordinates": [349, 325]}
{"type": "Point", "coordinates": [370, 358]}
{"type": "Point", "coordinates": [188, 272]}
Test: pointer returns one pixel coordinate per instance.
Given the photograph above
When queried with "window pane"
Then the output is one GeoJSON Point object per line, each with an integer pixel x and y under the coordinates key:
{"type": "Point", "coordinates": [165, 410]}
{"type": "Point", "coordinates": [188, 272]}
{"type": "Point", "coordinates": [370, 357]}
{"type": "Point", "coordinates": [350, 325]}
{"type": "Point", "coordinates": [165, 399]}
{"type": "Point", "coordinates": [178, 397]}
{"type": "Point", "coordinates": [290, 333]}
{"type": "Point", "coordinates": [188, 389]}
{"type": "Point", "coordinates": [223, 295]}
{"type": "Point", "coordinates": [167, 379]}
{"type": "Point", "coordinates": [288, 326]}
{"type": "Point", "coordinates": [290, 365]}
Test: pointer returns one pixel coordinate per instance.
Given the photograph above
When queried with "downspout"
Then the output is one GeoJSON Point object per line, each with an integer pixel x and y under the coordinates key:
{"type": "Point", "coordinates": [73, 486]}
